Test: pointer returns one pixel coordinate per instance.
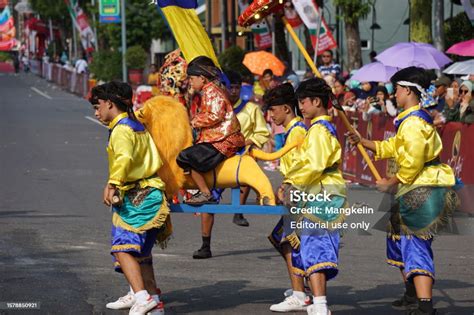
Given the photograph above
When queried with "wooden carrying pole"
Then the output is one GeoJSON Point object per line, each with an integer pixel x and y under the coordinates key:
{"type": "Point", "coordinates": [341, 112]}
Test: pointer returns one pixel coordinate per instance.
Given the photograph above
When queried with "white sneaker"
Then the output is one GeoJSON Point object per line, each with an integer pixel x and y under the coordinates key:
{"type": "Point", "coordinates": [290, 304]}
{"type": "Point", "coordinates": [312, 310]}
{"type": "Point", "coordinates": [123, 302]}
{"type": "Point", "coordinates": [158, 310]}
{"type": "Point", "coordinates": [143, 308]}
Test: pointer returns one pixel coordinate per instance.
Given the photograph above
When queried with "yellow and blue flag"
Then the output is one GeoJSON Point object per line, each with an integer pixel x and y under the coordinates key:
{"type": "Point", "coordinates": [187, 29]}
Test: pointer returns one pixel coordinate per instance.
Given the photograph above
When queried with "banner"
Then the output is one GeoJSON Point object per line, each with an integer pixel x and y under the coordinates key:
{"type": "Point", "coordinates": [292, 16]}
{"type": "Point", "coordinates": [82, 25]}
{"type": "Point", "coordinates": [262, 36]}
{"type": "Point", "coordinates": [187, 29]}
{"type": "Point", "coordinates": [7, 28]}
{"type": "Point", "coordinates": [109, 11]}
{"type": "Point", "coordinates": [309, 13]}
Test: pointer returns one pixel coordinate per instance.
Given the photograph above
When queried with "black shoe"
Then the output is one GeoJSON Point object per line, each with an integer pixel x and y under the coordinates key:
{"type": "Point", "coordinates": [202, 253]}
{"type": "Point", "coordinates": [405, 303]}
{"type": "Point", "coordinates": [240, 220]}
{"type": "Point", "coordinates": [420, 312]}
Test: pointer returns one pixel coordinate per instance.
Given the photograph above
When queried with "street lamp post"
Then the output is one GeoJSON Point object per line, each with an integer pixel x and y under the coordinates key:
{"type": "Point", "coordinates": [124, 42]}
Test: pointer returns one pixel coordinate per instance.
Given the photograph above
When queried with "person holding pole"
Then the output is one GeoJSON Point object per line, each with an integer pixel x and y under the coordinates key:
{"type": "Point", "coordinates": [422, 188]}
{"type": "Point", "coordinates": [315, 239]}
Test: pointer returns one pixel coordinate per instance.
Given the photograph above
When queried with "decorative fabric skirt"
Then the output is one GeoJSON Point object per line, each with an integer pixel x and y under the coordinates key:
{"type": "Point", "coordinates": [141, 221]}
{"type": "Point", "coordinates": [414, 221]}
{"type": "Point", "coordinates": [422, 211]}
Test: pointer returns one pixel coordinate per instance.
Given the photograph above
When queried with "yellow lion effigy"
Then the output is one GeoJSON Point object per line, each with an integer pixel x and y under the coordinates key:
{"type": "Point", "coordinates": [168, 123]}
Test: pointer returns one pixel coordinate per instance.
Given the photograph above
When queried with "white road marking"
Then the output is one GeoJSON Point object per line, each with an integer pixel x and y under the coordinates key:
{"type": "Point", "coordinates": [95, 120]}
{"type": "Point", "coordinates": [41, 93]}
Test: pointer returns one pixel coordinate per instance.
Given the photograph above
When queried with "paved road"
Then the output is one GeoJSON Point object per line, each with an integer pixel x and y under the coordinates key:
{"type": "Point", "coordinates": [54, 231]}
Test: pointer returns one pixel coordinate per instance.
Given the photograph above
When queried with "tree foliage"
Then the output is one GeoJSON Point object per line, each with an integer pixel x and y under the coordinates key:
{"type": "Point", "coordinates": [458, 29]}
{"type": "Point", "coordinates": [53, 9]}
{"type": "Point", "coordinates": [232, 58]}
{"type": "Point", "coordinates": [143, 22]}
{"type": "Point", "coordinates": [107, 65]}
{"type": "Point", "coordinates": [353, 10]}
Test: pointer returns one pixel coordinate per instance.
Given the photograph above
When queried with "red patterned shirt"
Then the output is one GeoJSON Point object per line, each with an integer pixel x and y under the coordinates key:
{"type": "Point", "coordinates": [215, 121]}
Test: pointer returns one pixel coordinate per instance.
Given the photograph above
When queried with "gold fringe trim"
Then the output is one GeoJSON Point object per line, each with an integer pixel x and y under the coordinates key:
{"type": "Point", "coordinates": [395, 263]}
{"type": "Point", "coordinates": [126, 246]}
{"type": "Point", "coordinates": [298, 272]}
{"type": "Point", "coordinates": [116, 264]}
{"type": "Point", "coordinates": [319, 266]}
{"type": "Point", "coordinates": [417, 271]}
{"type": "Point", "coordinates": [397, 237]}
{"type": "Point", "coordinates": [294, 240]}
{"type": "Point", "coordinates": [161, 218]}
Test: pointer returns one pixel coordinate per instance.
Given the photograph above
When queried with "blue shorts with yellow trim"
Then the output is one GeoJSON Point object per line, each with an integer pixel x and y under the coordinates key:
{"type": "Point", "coordinates": [318, 252]}
{"type": "Point", "coordinates": [412, 254]}
{"type": "Point", "coordinates": [279, 233]}
{"type": "Point", "coordinates": [136, 244]}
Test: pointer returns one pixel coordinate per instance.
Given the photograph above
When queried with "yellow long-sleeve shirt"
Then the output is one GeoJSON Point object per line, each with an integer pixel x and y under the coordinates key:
{"type": "Point", "coordinates": [416, 143]}
{"type": "Point", "coordinates": [252, 123]}
{"type": "Point", "coordinates": [317, 166]}
{"type": "Point", "coordinates": [133, 156]}
{"type": "Point", "coordinates": [296, 134]}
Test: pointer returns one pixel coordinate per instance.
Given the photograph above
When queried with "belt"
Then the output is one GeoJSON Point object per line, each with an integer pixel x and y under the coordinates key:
{"type": "Point", "coordinates": [435, 161]}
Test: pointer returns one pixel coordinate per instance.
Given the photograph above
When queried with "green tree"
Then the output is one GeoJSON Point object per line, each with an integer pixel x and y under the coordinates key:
{"type": "Point", "coordinates": [144, 23]}
{"type": "Point", "coordinates": [352, 11]}
{"type": "Point", "coordinates": [54, 9]}
{"type": "Point", "coordinates": [232, 58]}
{"type": "Point", "coordinates": [420, 21]}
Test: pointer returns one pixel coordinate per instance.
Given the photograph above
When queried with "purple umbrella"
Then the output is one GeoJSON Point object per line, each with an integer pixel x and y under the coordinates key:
{"type": "Point", "coordinates": [403, 55]}
{"type": "Point", "coordinates": [374, 72]}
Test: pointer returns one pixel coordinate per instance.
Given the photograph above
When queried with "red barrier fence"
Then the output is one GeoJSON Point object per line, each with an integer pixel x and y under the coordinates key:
{"type": "Point", "coordinates": [458, 152]}
{"type": "Point", "coordinates": [458, 147]}
{"type": "Point", "coordinates": [77, 83]}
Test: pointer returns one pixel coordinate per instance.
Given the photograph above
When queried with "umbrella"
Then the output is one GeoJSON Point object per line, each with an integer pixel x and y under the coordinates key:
{"type": "Point", "coordinates": [259, 61]}
{"type": "Point", "coordinates": [462, 67]}
{"type": "Point", "coordinates": [462, 49]}
{"type": "Point", "coordinates": [374, 72]}
{"type": "Point", "coordinates": [403, 55]}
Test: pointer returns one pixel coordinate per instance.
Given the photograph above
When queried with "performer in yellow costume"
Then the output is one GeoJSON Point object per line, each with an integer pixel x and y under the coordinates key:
{"type": "Point", "coordinates": [315, 240]}
{"type": "Point", "coordinates": [422, 186]}
{"type": "Point", "coordinates": [141, 217]}
{"type": "Point", "coordinates": [282, 104]}
{"type": "Point", "coordinates": [252, 126]}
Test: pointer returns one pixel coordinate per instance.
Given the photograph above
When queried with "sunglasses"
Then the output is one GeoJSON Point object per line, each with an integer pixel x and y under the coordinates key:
{"type": "Point", "coordinates": [461, 91]}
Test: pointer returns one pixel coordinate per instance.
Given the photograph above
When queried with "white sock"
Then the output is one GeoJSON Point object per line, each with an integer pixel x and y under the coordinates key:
{"type": "Point", "coordinates": [320, 303]}
{"type": "Point", "coordinates": [300, 295]}
{"type": "Point", "coordinates": [142, 296]}
{"type": "Point", "coordinates": [131, 290]}
{"type": "Point", "coordinates": [156, 298]}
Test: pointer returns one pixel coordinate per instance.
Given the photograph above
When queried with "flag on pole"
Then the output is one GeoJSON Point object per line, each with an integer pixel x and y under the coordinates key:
{"type": "Point", "coordinates": [309, 13]}
{"type": "Point", "coordinates": [187, 28]}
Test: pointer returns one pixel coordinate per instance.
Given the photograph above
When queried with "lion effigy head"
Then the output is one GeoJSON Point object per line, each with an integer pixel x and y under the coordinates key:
{"type": "Point", "coordinates": [166, 119]}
